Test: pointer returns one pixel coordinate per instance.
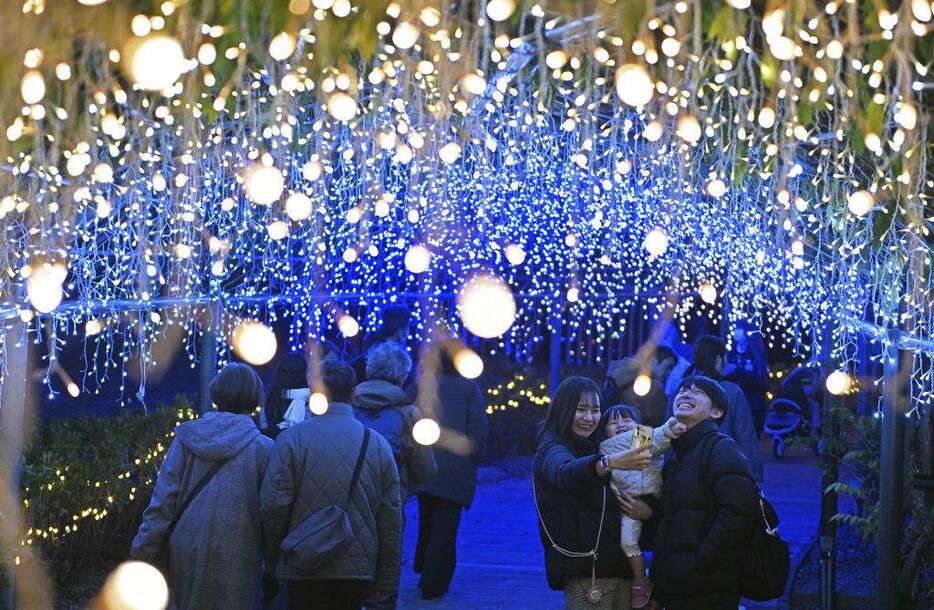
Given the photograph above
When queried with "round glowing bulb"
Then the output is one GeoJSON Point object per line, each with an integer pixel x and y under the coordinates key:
{"type": "Point", "coordinates": [282, 46]}
{"type": "Point", "coordinates": [716, 188]}
{"type": "Point", "coordinates": [689, 129]}
{"type": "Point", "coordinates": [348, 326]}
{"type": "Point", "coordinates": [44, 287]}
{"type": "Point", "coordinates": [353, 215]}
{"type": "Point", "coordinates": [155, 62]}
{"type": "Point", "coordinates": [556, 59]}
{"type": "Point", "coordinates": [642, 385]}
{"type": "Point", "coordinates": [93, 327]}
{"type": "Point", "coordinates": [32, 87]}
{"type": "Point", "coordinates": [473, 83]}
{"type": "Point", "coordinates": [708, 293]}
{"type": "Point", "coordinates": [75, 165]}
{"type": "Point", "coordinates": [135, 585]}
{"type": "Point", "coordinates": [426, 431]}
{"type": "Point", "coordinates": [468, 363]}
{"type": "Point", "coordinates": [405, 35]}
{"type": "Point", "coordinates": [318, 403]}
{"type": "Point", "coordinates": [312, 170]}
{"type": "Point", "coordinates": [73, 389]}
{"type": "Point", "coordinates": [342, 107]}
{"type": "Point", "coordinates": [515, 254]}
{"type": "Point", "coordinates": [766, 117]}
{"type": "Point", "coordinates": [417, 259]}
{"type": "Point", "coordinates": [655, 242]}
{"type": "Point", "coordinates": [739, 4]}
{"type": "Point", "coordinates": [835, 49]}
{"type": "Point", "coordinates": [450, 152]}
{"type": "Point", "coordinates": [573, 294]}
{"type": "Point", "coordinates": [634, 85]}
{"type": "Point", "coordinates": [838, 383]}
{"type": "Point", "coordinates": [782, 48]}
{"type": "Point", "coordinates": [860, 203]}
{"type": "Point", "coordinates": [906, 116]}
{"type": "Point", "coordinates": [254, 342]}
{"type": "Point", "coordinates": [140, 25]}
{"type": "Point", "coordinates": [430, 17]}
{"type": "Point", "coordinates": [207, 53]}
{"type": "Point", "coordinates": [263, 184]}
{"type": "Point", "coordinates": [298, 207]}
{"type": "Point", "coordinates": [350, 255]}
{"type": "Point", "coordinates": [500, 10]}
{"type": "Point", "coordinates": [486, 306]}
{"type": "Point", "coordinates": [670, 47]}
{"type": "Point", "coordinates": [653, 131]}
{"type": "Point", "coordinates": [278, 230]}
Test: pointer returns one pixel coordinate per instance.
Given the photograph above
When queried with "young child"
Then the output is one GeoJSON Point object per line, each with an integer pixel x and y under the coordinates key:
{"type": "Point", "coordinates": [621, 425]}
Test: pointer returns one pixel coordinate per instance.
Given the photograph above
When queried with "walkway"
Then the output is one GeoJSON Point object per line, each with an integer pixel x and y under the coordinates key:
{"type": "Point", "coordinates": [500, 561]}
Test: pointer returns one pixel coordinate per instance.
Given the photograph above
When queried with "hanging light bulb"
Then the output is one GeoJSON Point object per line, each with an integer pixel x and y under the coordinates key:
{"type": "Point", "coordinates": [642, 385]}
{"type": "Point", "coordinates": [716, 188]}
{"type": "Point", "coordinates": [634, 85]}
{"type": "Point", "coordinates": [417, 259]}
{"type": "Point", "coordinates": [318, 403]}
{"type": "Point", "coordinates": [486, 306]}
{"type": "Point", "coordinates": [500, 10]}
{"type": "Point", "coordinates": [298, 207]}
{"type": "Point", "coordinates": [450, 152]}
{"type": "Point", "coordinates": [32, 87]}
{"type": "Point", "coordinates": [405, 35]}
{"type": "Point", "coordinates": [342, 107]}
{"type": "Point", "coordinates": [838, 383]}
{"type": "Point", "coordinates": [282, 46]}
{"type": "Point", "coordinates": [767, 117]}
{"type": "Point", "coordinates": [134, 585]}
{"type": "Point", "coordinates": [93, 327]}
{"type": "Point", "coordinates": [739, 4]}
{"type": "Point", "coordinates": [473, 83]}
{"type": "Point", "coordinates": [277, 230]}
{"type": "Point", "coordinates": [154, 62]}
{"type": "Point", "coordinates": [708, 293]}
{"type": "Point", "coordinates": [254, 342]}
{"type": "Point", "coordinates": [860, 203]}
{"type": "Point", "coordinates": [426, 431]}
{"type": "Point", "coordinates": [44, 286]}
{"type": "Point", "coordinates": [468, 363]}
{"type": "Point", "coordinates": [348, 325]}
{"type": "Point", "coordinates": [430, 16]}
{"type": "Point", "coordinates": [906, 116]}
{"type": "Point", "coordinates": [655, 242]}
{"type": "Point", "coordinates": [653, 131]}
{"type": "Point", "coordinates": [515, 254]}
{"type": "Point", "coordinates": [689, 129]}
{"type": "Point", "coordinates": [556, 59]}
{"type": "Point", "coordinates": [263, 185]}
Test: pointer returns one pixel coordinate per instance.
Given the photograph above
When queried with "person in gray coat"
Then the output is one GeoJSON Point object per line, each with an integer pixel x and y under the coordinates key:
{"type": "Point", "coordinates": [214, 550]}
{"type": "Point", "coordinates": [311, 468]}
{"type": "Point", "coordinates": [457, 405]}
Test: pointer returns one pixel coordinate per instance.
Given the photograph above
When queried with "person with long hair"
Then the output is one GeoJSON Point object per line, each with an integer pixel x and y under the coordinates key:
{"type": "Point", "coordinates": [579, 519]}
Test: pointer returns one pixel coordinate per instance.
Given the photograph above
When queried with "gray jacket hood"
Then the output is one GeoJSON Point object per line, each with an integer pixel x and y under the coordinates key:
{"type": "Point", "coordinates": [217, 435]}
{"type": "Point", "coordinates": [378, 394]}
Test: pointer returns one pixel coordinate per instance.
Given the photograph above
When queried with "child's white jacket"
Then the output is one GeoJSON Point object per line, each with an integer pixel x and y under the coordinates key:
{"type": "Point", "coordinates": [649, 479]}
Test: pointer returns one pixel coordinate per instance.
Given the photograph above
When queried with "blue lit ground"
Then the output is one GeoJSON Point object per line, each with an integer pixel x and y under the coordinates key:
{"type": "Point", "coordinates": [500, 557]}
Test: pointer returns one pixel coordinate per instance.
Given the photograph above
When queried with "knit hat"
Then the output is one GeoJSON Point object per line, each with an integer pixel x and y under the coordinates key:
{"type": "Point", "coordinates": [711, 388]}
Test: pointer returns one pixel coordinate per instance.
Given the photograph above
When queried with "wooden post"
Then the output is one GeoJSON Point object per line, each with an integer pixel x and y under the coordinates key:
{"type": "Point", "coordinates": [12, 427]}
{"type": "Point", "coordinates": [554, 354]}
{"type": "Point", "coordinates": [208, 358]}
{"type": "Point", "coordinates": [891, 478]}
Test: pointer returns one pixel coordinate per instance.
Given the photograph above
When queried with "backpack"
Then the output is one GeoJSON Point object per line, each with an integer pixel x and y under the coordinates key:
{"type": "Point", "coordinates": [390, 423]}
{"type": "Point", "coordinates": [766, 561]}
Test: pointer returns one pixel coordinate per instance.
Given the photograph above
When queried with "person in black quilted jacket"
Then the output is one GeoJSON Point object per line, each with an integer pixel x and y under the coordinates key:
{"type": "Point", "coordinates": [709, 503]}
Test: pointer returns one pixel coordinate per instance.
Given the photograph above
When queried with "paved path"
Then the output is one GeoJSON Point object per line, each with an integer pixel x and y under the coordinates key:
{"type": "Point", "coordinates": [500, 559]}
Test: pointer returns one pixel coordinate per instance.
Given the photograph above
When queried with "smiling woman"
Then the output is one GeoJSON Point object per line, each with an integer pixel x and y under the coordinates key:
{"type": "Point", "coordinates": [579, 527]}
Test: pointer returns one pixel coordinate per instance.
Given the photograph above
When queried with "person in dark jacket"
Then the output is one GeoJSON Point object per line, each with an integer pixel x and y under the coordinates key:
{"type": "Point", "coordinates": [709, 502]}
{"type": "Point", "coordinates": [311, 469]}
{"type": "Point", "coordinates": [394, 328]}
{"type": "Point", "coordinates": [747, 367]}
{"type": "Point", "coordinates": [576, 508]}
{"type": "Point", "coordinates": [621, 378]}
{"type": "Point", "coordinates": [214, 551]}
{"type": "Point", "coordinates": [710, 361]}
{"type": "Point", "coordinates": [381, 404]}
{"type": "Point", "coordinates": [457, 405]}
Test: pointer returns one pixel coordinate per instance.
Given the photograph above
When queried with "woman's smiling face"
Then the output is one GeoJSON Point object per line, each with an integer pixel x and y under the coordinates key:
{"type": "Point", "coordinates": [586, 415]}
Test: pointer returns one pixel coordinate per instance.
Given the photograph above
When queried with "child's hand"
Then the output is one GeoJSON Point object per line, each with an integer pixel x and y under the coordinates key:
{"type": "Point", "coordinates": [675, 428]}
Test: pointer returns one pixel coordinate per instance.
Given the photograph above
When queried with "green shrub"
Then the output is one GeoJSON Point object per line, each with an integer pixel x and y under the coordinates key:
{"type": "Point", "coordinates": [85, 483]}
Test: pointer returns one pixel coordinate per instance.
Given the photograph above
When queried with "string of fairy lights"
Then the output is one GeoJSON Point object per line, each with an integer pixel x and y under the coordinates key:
{"type": "Point", "coordinates": [504, 191]}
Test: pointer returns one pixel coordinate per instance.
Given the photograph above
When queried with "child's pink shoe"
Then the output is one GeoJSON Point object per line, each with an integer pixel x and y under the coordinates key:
{"type": "Point", "coordinates": [640, 592]}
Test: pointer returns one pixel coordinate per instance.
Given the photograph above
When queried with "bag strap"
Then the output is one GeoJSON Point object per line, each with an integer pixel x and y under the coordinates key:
{"type": "Point", "coordinates": [359, 466]}
{"type": "Point", "coordinates": [202, 483]}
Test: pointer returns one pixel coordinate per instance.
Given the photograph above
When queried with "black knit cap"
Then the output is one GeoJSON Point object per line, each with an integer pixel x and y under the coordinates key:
{"type": "Point", "coordinates": [711, 388]}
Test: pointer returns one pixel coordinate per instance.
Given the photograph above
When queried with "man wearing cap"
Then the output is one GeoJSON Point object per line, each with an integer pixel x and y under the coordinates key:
{"type": "Point", "coordinates": [709, 503]}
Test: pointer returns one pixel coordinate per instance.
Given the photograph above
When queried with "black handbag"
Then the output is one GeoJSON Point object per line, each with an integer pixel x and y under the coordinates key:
{"type": "Point", "coordinates": [161, 560]}
{"type": "Point", "coordinates": [324, 534]}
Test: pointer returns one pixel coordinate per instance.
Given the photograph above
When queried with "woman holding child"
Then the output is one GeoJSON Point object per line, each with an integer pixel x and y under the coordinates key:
{"type": "Point", "coordinates": [579, 513]}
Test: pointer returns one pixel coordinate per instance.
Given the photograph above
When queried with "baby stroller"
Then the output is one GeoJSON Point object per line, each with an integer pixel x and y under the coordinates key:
{"type": "Point", "coordinates": [790, 411]}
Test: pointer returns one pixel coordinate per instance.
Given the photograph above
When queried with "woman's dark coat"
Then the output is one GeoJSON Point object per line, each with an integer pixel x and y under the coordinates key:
{"type": "Point", "coordinates": [707, 518]}
{"type": "Point", "coordinates": [570, 497]}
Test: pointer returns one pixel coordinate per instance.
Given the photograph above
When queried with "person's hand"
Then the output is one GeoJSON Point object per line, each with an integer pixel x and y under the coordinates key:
{"type": "Point", "coordinates": [633, 459]}
{"type": "Point", "coordinates": [634, 507]}
{"type": "Point", "coordinates": [676, 428]}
